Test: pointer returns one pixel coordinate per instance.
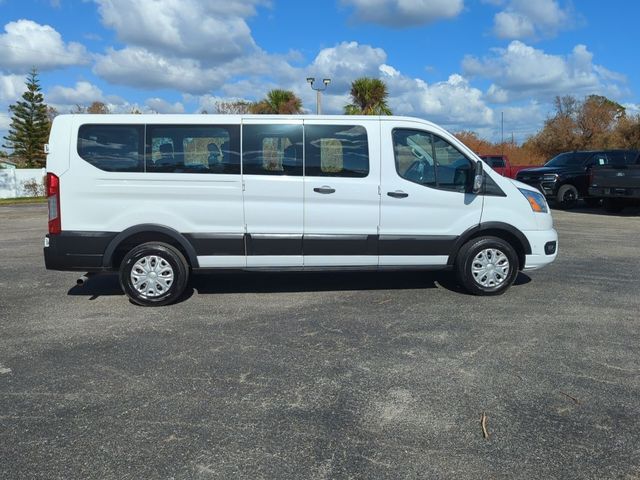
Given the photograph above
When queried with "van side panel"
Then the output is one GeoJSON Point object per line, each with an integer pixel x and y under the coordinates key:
{"type": "Point", "coordinates": [97, 205]}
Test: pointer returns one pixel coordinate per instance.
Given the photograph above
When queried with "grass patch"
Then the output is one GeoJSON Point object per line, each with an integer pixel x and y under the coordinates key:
{"type": "Point", "coordinates": [22, 200]}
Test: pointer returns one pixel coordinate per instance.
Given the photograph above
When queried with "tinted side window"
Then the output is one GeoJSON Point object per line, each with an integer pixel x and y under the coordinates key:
{"type": "Point", "coordinates": [495, 162]}
{"type": "Point", "coordinates": [453, 169]}
{"type": "Point", "coordinates": [336, 151]}
{"type": "Point", "coordinates": [193, 148]}
{"type": "Point", "coordinates": [413, 152]}
{"type": "Point", "coordinates": [272, 149]}
{"type": "Point", "coordinates": [424, 158]}
{"type": "Point", "coordinates": [113, 148]}
{"type": "Point", "coordinates": [599, 159]}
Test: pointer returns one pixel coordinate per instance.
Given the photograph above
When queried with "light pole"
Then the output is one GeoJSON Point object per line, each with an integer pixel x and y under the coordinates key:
{"type": "Point", "coordinates": [319, 90]}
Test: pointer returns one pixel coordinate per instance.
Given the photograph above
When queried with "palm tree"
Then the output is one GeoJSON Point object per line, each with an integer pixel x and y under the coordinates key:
{"type": "Point", "coordinates": [278, 102]}
{"type": "Point", "coordinates": [368, 97]}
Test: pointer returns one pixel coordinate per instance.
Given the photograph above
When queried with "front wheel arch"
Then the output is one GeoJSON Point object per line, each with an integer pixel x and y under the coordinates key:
{"type": "Point", "coordinates": [504, 231]}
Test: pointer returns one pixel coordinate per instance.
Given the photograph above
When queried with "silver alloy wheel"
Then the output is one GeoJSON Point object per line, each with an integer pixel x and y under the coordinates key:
{"type": "Point", "coordinates": [152, 276]}
{"type": "Point", "coordinates": [490, 267]}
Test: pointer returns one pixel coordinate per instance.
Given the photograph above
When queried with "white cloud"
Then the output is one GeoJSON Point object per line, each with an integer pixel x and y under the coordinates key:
{"type": "Point", "coordinates": [26, 44]}
{"type": "Point", "coordinates": [453, 103]}
{"type": "Point", "coordinates": [82, 94]}
{"type": "Point", "coordinates": [521, 71]}
{"type": "Point", "coordinates": [11, 88]}
{"type": "Point", "coordinates": [404, 13]}
{"type": "Point", "coordinates": [65, 99]}
{"type": "Point", "coordinates": [162, 106]}
{"type": "Point", "coordinates": [207, 31]}
{"type": "Point", "coordinates": [345, 62]}
{"type": "Point", "coordinates": [531, 18]}
{"type": "Point", "coordinates": [5, 121]}
{"type": "Point", "coordinates": [141, 68]}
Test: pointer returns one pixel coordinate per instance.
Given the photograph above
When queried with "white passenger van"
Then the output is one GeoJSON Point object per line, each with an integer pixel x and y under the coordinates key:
{"type": "Point", "coordinates": [157, 197]}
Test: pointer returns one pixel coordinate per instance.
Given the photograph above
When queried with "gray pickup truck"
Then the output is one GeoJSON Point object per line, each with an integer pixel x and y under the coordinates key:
{"type": "Point", "coordinates": [618, 183]}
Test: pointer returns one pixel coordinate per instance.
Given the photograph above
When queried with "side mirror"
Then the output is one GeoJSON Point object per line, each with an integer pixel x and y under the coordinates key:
{"type": "Point", "coordinates": [478, 180]}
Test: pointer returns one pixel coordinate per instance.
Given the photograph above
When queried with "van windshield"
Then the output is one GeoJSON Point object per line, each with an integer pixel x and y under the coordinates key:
{"type": "Point", "coordinates": [569, 159]}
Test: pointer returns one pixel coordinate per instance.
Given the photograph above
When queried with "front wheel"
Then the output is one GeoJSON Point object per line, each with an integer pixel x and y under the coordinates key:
{"type": "Point", "coordinates": [567, 197]}
{"type": "Point", "coordinates": [154, 274]}
{"type": "Point", "coordinates": [487, 266]}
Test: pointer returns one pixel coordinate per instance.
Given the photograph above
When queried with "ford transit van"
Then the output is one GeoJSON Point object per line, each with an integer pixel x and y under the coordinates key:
{"type": "Point", "coordinates": [156, 197]}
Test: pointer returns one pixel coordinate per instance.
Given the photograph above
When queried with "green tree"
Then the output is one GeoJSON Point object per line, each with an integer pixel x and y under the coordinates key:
{"type": "Point", "coordinates": [368, 97]}
{"type": "Point", "coordinates": [30, 125]}
{"type": "Point", "coordinates": [278, 102]}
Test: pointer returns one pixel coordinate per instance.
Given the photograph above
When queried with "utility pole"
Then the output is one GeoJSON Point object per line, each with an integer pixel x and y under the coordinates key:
{"type": "Point", "coordinates": [319, 90]}
{"type": "Point", "coordinates": [502, 132]}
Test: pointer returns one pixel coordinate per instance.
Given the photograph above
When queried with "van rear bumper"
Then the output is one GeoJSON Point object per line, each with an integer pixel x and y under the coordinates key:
{"type": "Point", "coordinates": [76, 251]}
{"type": "Point", "coordinates": [542, 242]}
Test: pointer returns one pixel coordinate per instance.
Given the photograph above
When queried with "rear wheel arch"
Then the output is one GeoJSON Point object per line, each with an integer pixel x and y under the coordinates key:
{"type": "Point", "coordinates": [139, 234]}
{"type": "Point", "coordinates": [504, 231]}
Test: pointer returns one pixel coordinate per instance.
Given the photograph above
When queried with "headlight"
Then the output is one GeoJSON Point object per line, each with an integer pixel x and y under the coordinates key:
{"type": "Point", "coordinates": [536, 200]}
{"type": "Point", "coordinates": [550, 177]}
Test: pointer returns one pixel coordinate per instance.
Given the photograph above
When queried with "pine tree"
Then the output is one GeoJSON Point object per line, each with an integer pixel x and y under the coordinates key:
{"type": "Point", "coordinates": [29, 127]}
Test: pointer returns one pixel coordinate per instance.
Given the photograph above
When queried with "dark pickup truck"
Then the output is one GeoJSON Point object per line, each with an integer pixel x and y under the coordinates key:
{"type": "Point", "coordinates": [565, 178]}
{"type": "Point", "coordinates": [618, 184]}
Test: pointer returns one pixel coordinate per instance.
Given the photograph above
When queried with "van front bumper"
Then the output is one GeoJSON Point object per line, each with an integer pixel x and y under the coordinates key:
{"type": "Point", "coordinates": [544, 248]}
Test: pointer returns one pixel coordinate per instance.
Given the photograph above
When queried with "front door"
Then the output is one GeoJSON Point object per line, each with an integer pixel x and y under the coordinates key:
{"type": "Point", "coordinates": [272, 168]}
{"type": "Point", "coordinates": [426, 199]}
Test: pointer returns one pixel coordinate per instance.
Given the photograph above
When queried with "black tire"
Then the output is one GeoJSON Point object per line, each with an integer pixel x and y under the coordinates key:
{"type": "Point", "coordinates": [593, 202]}
{"type": "Point", "coordinates": [165, 256]}
{"type": "Point", "coordinates": [465, 263]}
{"type": "Point", "coordinates": [612, 205]}
{"type": "Point", "coordinates": [567, 197]}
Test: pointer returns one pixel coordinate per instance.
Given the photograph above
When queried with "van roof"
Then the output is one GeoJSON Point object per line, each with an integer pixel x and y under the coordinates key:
{"type": "Point", "coordinates": [147, 116]}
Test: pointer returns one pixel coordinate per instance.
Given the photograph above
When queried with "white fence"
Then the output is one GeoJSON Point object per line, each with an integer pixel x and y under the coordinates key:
{"type": "Point", "coordinates": [21, 182]}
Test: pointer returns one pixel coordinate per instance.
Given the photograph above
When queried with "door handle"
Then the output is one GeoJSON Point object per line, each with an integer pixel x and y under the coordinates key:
{"type": "Point", "coordinates": [324, 189]}
{"type": "Point", "coordinates": [398, 194]}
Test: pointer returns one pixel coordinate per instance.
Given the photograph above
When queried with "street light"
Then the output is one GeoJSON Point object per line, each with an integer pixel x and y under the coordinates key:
{"type": "Point", "coordinates": [319, 90]}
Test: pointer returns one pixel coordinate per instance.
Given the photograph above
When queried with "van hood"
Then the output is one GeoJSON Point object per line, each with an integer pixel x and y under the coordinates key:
{"type": "Point", "coordinates": [524, 186]}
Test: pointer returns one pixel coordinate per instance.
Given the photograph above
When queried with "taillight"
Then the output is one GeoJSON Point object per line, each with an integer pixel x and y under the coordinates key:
{"type": "Point", "coordinates": [53, 198]}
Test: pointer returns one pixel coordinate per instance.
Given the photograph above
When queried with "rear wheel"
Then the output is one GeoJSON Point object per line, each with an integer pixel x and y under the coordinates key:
{"type": "Point", "coordinates": [487, 266]}
{"type": "Point", "coordinates": [567, 197]}
{"type": "Point", "coordinates": [154, 274]}
{"type": "Point", "coordinates": [612, 205]}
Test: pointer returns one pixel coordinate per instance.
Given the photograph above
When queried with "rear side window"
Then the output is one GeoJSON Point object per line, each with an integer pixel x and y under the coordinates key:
{"type": "Point", "coordinates": [193, 149]}
{"type": "Point", "coordinates": [113, 148]}
{"type": "Point", "coordinates": [272, 150]}
{"type": "Point", "coordinates": [336, 151]}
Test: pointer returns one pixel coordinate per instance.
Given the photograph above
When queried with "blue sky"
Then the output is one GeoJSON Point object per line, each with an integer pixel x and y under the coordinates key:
{"type": "Point", "coordinates": [460, 63]}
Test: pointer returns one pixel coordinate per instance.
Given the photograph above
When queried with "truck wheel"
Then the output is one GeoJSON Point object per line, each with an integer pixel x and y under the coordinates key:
{"type": "Point", "coordinates": [612, 205]}
{"type": "Point", "coordinates": [567, 197]}
{"type": "Point", "coordinates": [487, 266]}
{"type": "Point", "coordinates": [154, 274]}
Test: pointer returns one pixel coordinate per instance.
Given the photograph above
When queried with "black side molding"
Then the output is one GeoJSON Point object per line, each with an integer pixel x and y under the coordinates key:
{"type": "Point", "coordinates": [77, 251]}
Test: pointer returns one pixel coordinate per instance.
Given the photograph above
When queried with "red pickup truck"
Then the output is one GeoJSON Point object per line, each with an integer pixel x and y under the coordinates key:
{"type": "Point", "coordinates": [501, 164]}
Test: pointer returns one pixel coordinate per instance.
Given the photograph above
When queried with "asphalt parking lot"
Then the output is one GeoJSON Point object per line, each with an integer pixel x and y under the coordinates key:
{"type": "Point", "coordinates": [325, 376]}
